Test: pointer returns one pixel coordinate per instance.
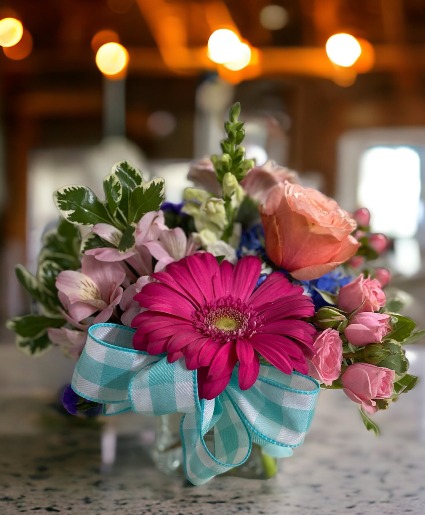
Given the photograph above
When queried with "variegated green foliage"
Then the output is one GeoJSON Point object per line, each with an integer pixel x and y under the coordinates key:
{"type": "Point", "coordinates": [60, 252]}
{"type": "Point", "coordinates": [127, 198]}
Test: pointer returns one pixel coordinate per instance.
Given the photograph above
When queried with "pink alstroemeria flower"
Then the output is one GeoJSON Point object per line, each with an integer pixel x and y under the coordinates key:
{"type": "Point", "coordinates": [72, 342]}
{"type": "Point", "coordinates": [138, 257]}
{"type": "Point", "coordinates": [214, 316]}
{"type": "Point", "coordinates": [172, 245]}
{"type": "Point", "coordinates": [96, 289]}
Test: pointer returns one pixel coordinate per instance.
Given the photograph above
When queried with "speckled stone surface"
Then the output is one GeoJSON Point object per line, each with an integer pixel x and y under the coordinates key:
{"type": "Point", "coordinates": [51, 464]}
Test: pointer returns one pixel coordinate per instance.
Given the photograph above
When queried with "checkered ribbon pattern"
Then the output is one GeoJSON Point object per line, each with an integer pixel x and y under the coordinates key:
{"type": "Point", "coordinates": [274, 413]}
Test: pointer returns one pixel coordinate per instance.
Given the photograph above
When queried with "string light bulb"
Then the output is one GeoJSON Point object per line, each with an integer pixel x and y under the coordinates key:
{"type": "Point", "coordinates": [225, 47]}
{"type": "Point", "coordinates": [11, 32]}
{"type": "Point", "coordinates": [343, 49]}
{"type": "Point", "coordinates": [112, 58]}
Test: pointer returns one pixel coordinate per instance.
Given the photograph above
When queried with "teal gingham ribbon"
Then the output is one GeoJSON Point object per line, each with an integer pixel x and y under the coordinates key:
{"type": "Point", "coordinates": [274, 413]}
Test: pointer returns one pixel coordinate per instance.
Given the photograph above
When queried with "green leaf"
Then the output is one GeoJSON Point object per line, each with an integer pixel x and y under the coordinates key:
{"type": "Point", "coordinates": [147, 197]}
{"type": "Point", "coordinates": [113, 192]}
{"type": "Point", "coordinates": [396, 360]}
{"type": "Point", "coordinates": [62, 245]}
{"type": "Point", "coordinates": [415, 337]}
{"type": "Point", "coordinates": [405, 384]}
{"type": "Point", "coordinates": [34, 345]}
{"type": "Point", "coordinates": [93, 241]}
{"type": "Point", "coordinates": [129, 178]}
{"type": "Point", "coordinates": [33, 326]}
{"type": "Point", "coordinates": [29, 283]}
{"type": "Point", "coordinates": [127, 239]}
{"type": "Point", "coordinates": [47, 273]}
{"type": "Point", "coordinates": [79, 205]}
{"type": "Point", "coordinates": [402, 327]}
{"type": "Point", "coordinates": [369, 424]}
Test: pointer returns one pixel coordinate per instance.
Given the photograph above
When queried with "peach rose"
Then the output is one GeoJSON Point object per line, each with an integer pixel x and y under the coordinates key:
{"type": "Point", "coordinates": [306, 233]}
{"type": "Point", "coordinates": [364, 383]}
{"type": "Point", "coordinates": [325, 366]}
{"type": "Point", "coordinates": [261, 179]}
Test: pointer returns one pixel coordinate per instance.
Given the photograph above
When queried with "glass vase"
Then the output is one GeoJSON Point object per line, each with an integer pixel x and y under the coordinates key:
{"type": "Point", "coordinates": [168, 455]}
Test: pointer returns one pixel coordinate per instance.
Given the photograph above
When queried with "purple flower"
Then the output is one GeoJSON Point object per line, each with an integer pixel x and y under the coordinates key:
{"type": "Point", "coordinates": [76, 405]}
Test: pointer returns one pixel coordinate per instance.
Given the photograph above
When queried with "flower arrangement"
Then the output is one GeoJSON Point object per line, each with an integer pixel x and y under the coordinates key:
{"type": "Point", "coordinates": [232, 308]}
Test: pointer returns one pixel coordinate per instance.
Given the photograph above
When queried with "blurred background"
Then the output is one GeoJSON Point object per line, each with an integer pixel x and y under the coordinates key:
{"type": "Point", "coordinates": [86, 83]}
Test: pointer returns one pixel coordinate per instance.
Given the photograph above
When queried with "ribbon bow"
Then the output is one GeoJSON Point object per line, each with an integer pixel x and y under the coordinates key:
{"type": "Point", "coordinates": [274, 413]}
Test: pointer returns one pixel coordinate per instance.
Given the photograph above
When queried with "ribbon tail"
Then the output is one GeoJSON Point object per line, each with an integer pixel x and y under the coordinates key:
{"type": "Point", "coordinates": [207, 454]}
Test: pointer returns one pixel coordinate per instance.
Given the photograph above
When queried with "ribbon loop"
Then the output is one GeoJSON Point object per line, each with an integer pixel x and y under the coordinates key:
{"type": "Point", "coordinates": [275, 412]}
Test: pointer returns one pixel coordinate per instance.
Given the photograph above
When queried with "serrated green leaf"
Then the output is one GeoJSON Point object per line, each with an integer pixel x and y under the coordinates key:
{"type": "Point", "coordinates": [93, 241]}
{"type": "Point", "coordinates": [127, 240]}
{"type": "Point", "coordinates": [383, 404]}
{"type": "Point", "coordinates": [402, 327]}
{"type": "Point", "coordinates": [130, 178]}
{"type": "Point", "coordinates": [79, 205]}
{"type": "Point", "coordinates": [47, 273]}
{"type": "Point", "coordinates": [33, 326]}
{"type": "Point", "coordinates": [113, 192]}
{"type": "Point", "coordinates": [396, 360]}
{"type": "Point", "coordinates": [415, 337]}
{"type": "Point", "coordinates": [34, 345]}
{"type": "Point", "coordinates": [67, 231]}
{"type": "Point", "coordinates": [145, 198]}
{"type": "Point", "coordinates": [405, 384]}
{"type": "Point", "coordinates": [29, 283]}
{"type": "Point", "coordinates": [369, 424]}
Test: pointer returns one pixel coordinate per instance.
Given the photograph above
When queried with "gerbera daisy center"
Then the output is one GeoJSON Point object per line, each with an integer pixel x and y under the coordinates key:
{"type": "Point", "coordinates": [226, 319]}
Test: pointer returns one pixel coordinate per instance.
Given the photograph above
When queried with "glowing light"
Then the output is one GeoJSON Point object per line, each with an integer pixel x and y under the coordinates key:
{"type": "Point", "coordinates": [242, 60]}
{"type": "Point", "coordinates": [343, 49]}
{"type": "Point", "coordinates": [11, 31]}
{"type": "Point", "coordinates": [22, 49]}
{"type": "Point", "coordinates": [112, 58]}
{"type": "Point", "coordinates": [223, 46]}
{"type": "Point", "coordinates": [274, 17]}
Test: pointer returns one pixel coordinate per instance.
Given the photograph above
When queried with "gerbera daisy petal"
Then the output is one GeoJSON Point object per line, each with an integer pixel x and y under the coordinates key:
{"type": "Point", "coordinates": [245, 276]}
{"type": "Point", "coordinates": [226, 271]}
{"type": "Point", "coordinates": [249, 364]}
{"type": "Point", "coordinates": [224, 361]}
{"type": "Point", "coordinates": [181, 339]}
{"type": "Point", "coordinates": [209, 388]}
{"type": "Point", "coordinates": [157, 346]}
{"type": "Point", "coordinates": [275, 353]}
{"type": "Point", "coordinates": [192, 352]}
{"type": "Point", "coordinates": [208, 352]}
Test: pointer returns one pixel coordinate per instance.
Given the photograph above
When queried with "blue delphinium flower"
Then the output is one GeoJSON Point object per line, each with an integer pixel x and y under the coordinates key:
{"type": "Point", "coordinates": [252, 242]}
{"type": "Point", "coordinates": [328, 283]}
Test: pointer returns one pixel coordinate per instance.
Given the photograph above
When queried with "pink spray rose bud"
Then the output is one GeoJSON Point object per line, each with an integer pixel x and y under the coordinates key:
{"type": "Point", "coordinates": [379, 242]}
{"type": "Point", "coordinates": [363, 294]}
{"type": "Point", "coordinates": [356, 261]}
{"type": "Point", "coordinates": [364, 383]}
{"type": "Point", "coordinates": [261, 179]}
{"type": "Point", "coordinates": [306, 233]}
{"type": "Point", "coordinates": [362, 216]}
{"type": "Point", "coordinates": [383, 276]}
{"type": "Point", "coordinates": [367, 327]}
{"type": "Point", "coordinates": [325, 366]}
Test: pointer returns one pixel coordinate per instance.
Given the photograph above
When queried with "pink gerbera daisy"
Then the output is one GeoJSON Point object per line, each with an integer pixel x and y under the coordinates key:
{"type": "Point", "coordinates": [214, 316]}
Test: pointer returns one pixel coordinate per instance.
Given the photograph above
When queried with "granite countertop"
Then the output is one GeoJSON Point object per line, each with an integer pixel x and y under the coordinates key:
{"type": "Point", "coordinates": [50, 463]}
